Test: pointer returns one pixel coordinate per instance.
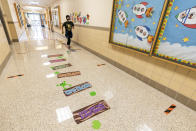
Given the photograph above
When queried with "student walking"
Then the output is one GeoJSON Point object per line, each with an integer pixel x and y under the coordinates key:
{"type": "Point", "coordinates": [69, 25]}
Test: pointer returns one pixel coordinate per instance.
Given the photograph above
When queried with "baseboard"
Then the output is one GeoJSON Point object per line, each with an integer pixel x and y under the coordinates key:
{"type": "Point", "coordinates": [2, 66]}
{"type": "Point", "coordinates": [173, 94]}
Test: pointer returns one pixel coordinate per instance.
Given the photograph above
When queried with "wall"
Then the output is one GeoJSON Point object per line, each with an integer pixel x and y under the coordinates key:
{"type": "Point", "coordinates": [4, 47]}
{"type": "Point", "coordinates": [13, 24]}
{"type": "Point", "coordinates": [180, 82]}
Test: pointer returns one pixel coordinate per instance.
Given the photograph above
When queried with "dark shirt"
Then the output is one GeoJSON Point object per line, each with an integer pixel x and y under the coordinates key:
{"type": "Point", "coordinates": [68, 26]}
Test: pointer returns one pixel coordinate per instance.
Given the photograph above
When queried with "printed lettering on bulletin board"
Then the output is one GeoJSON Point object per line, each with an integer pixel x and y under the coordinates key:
{"type": "Point", "coordinates": [135, 23]}
{"type": "Point", "coordinates": [177, 38]}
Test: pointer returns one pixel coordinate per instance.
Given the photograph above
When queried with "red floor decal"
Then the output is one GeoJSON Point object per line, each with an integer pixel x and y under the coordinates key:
{"type": "Point", "coordinates": [15, 76]}
{"type": "Point", "coordinates": [100, 64]}
{"type": "Point", "coordinates": [55, 61]}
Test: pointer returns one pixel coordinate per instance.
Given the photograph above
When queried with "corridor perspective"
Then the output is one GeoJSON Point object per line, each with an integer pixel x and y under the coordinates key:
{"type": "Point", "coordinates": [124, 69]}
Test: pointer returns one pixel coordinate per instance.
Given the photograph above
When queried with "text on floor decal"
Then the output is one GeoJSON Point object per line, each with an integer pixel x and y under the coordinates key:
{"type": "Point", "coordinates": [61, 66]}
{"type": "Point", "coordinates": [77, 89]}
{"type": "Point", "coordinates": [69, 74]}
{"type": "Point", "coordinates": [90, 111]}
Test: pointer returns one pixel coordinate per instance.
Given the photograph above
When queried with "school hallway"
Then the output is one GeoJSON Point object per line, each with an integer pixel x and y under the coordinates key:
{"type": "Point", "coordinates": [31, 102]}
{"type": "Point", "coordinates": [95, 85]}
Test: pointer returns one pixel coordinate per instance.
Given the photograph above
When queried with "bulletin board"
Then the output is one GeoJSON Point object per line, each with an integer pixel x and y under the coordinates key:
{"type": "Point", "coordinates": [177, 38]}
{"type": "Point", "coordinates": [19, 14]}
{"type": "Point", "coordinates": [136, 23]}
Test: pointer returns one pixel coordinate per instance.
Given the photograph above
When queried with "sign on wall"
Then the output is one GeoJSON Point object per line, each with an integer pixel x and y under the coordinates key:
{"type": "Point", "coordinates": [135, 23]}
{"type": "Point", "coordinates": [177, 38]}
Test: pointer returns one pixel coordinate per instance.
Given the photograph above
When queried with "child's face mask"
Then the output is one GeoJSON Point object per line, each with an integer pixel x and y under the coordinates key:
{"type": "Point", "coordinates": [68, 18]}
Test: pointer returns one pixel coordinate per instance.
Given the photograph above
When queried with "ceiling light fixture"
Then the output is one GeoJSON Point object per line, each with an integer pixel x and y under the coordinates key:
{"type": "Point", "coordinates": [34, 3]}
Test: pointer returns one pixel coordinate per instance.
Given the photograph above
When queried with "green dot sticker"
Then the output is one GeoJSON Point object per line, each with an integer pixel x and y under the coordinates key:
{"type": "Point", "coordinates": [57, 73]}
{"type": "Point", "coordinates": [93, 93]}
{"type": "Point", "coordinates": [96, 124]}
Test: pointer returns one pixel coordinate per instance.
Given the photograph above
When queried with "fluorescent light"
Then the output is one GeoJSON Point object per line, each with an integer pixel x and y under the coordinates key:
{"type": "Point", "coordinates": [35, 3]}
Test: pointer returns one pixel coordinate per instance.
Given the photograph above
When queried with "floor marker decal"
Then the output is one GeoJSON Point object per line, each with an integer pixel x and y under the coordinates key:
{"type": "Point", "coordinates": [15, 76]}
{"type": "Point", "coordinates": [61, 66]}
{"type": "Point", "coordinates": [58, 60]}
{"type": "Point", "coordinates": [90, 111]}
{"type": "Point", "coordinates": [171, 108]}
{"type": "Point", "coordinates": [64, 84]}
{"type": "Point", "coordinates": [93, 93]}
{"type": "Point", "coordinates": [68, 74]}
{"type": "Point", "coordinates": [101, 64]}
{"type": "Point", "coordinates": [61, 57]}
{"type": "Point", "coordinates": [56, 73]}
{"type": "Point", "coordinates": [57, 55]}
{"type": "Point", "coordinates": [96, 124]}
{"type": "Point", "coordinates": [77, 88]}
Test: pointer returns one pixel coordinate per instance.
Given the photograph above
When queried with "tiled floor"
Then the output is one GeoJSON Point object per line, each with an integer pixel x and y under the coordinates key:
{"type": "Point", "coordinates": [32, 102]}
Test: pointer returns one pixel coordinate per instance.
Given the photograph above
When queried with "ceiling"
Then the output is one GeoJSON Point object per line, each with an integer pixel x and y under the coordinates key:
{"type": "Point", "coordinates": [44, 3]}
{"type": "Point", "coordinates": [32, 8]}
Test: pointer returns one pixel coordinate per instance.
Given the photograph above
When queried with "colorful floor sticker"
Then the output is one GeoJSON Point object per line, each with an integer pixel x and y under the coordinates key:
{"type": "Point", "coordinates": [61, 57]}
{"type": "Point", "coordinates": [64, 85]}
{"type": "Point", "coordinates": [58, 60]}
{"type": "Point", "coordinates": [16, 76]}
{"type": "Point", "coordinates": [56, 73]}
{"type": "Point", "coordinates": [171, 108]}
{"type": "Point", "coordinates": [93, 93]}
{"type": "Point", "coordinates": [61, 66]}
{"type": "Point", "coordinates": [90, 111]}
{"type": "Point", "coordinates": [96, 124]}
{"type": "Point", "coordinates": [69, 74]}
{"type": "Point", "coordinates": [76, 89]}
{"type": "Point", "coordinates": [100, 64]}
{"type": "Point", "coordinates": [57, 55]}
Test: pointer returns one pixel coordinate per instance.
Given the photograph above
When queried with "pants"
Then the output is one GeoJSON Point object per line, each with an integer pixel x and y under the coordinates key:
{"type": "Point", "coordinates": [68, 41]}
{"type": "Point", "coordinates": [68, 35]}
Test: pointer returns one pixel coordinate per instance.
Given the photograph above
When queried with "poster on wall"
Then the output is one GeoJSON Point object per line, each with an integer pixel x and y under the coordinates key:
{"type": "Point", "coordinates": [19, 14]}
{"type": "Point", "coordinates": [135, 23]}
{"type": "Point", "coordinates": [177, 38]}
{"type": "Point", "coordinates": [78, 18]}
